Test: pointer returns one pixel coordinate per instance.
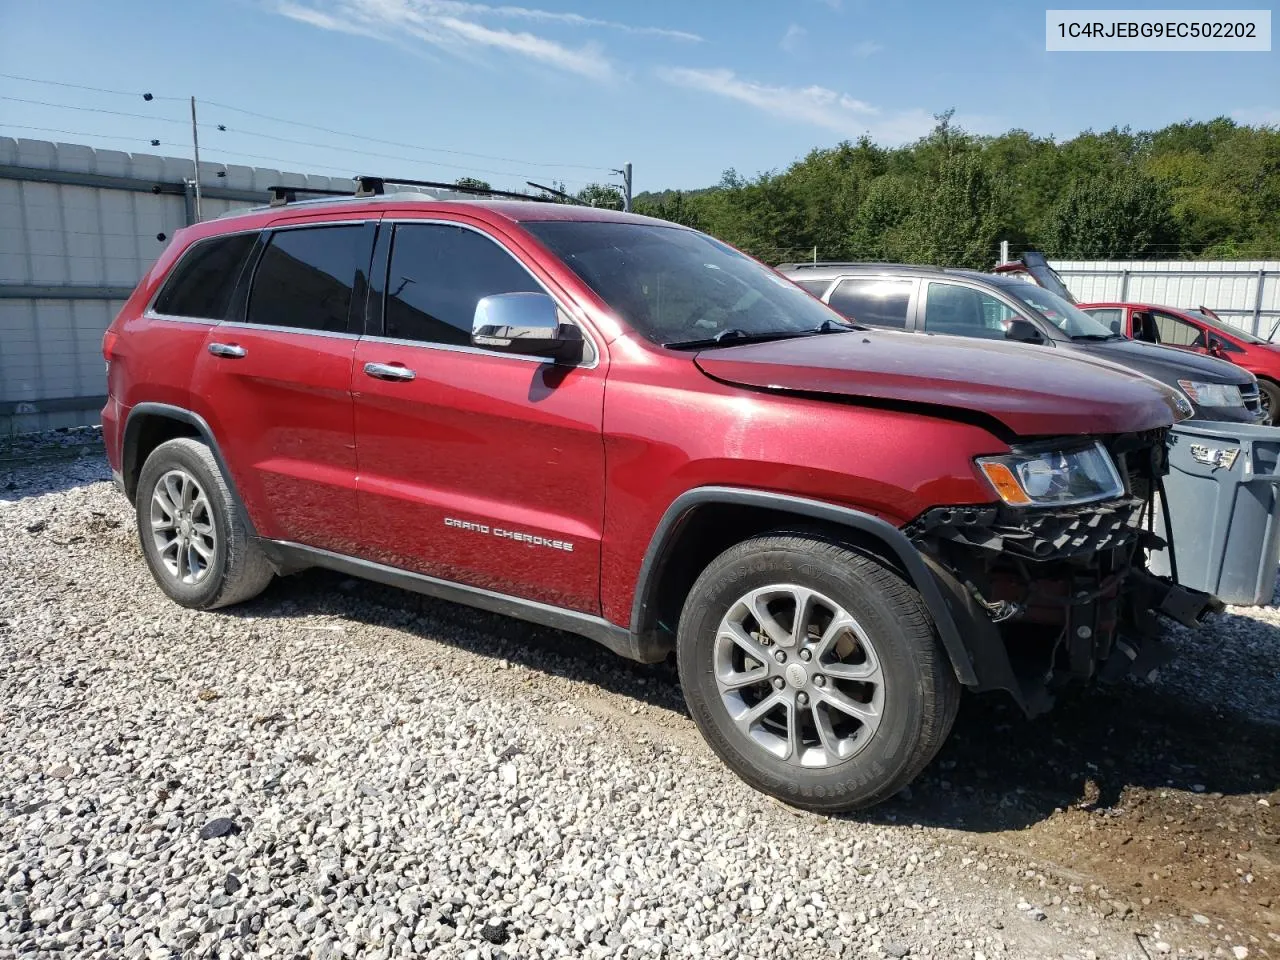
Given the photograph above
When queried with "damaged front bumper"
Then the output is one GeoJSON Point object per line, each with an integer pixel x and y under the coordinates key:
{"type": "Point", "coordinates": [1043, 597]}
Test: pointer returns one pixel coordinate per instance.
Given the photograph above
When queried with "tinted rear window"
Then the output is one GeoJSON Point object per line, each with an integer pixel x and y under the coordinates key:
{"type": "Point", "coordinates": [874, 301]}
{"type": "Point", "coordinates": [200, 285]}
{"type": "Point", "coordinates": [304, 278]}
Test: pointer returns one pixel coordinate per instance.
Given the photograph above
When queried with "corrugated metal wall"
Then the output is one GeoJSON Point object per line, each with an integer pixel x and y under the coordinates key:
{"type": "Point", "coordinates": [1243, 292]}
{"type": "Point", "coordinates": [78, 228]}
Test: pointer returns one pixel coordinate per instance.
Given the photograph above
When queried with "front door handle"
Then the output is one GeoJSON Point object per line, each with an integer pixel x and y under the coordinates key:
{"type": "Point", "coordinates": [388, 371]}
{"type": "Point", "coordinates": [231, 350]}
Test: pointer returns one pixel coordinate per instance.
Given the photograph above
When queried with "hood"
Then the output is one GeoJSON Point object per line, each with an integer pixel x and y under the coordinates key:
{"type": "Point", "coordinates": [1166, 364]}
{"type": "Point", "coordinates": [1033, 391]}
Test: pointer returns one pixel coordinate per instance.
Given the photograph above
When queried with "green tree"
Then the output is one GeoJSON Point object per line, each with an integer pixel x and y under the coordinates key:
{"type": "Point", "coordinates": [674, 206]}
{"type": "Point", "coordinates": [601, 195]}
{"type": "Point", "coordinates": [957, 218]}
{"type": "Point", "coordinates": [1126, 216]}
{"type": "Point", "coordinates": [473, 183]}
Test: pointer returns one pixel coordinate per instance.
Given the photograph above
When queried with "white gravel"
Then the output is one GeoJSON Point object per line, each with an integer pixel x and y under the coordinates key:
{"type": "Point", "coordinates": [391, 776]}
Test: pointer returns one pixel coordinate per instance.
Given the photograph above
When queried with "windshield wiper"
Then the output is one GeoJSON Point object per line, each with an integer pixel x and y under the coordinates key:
{"type": "Point", "coordinates": [830, 326]}
{"type": "Point", "coordinates": [1097, 337]}
{"type": "Point", "coordinates": [734, 335]}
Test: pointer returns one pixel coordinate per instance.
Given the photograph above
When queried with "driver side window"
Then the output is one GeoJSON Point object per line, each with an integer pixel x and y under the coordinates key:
{"type": "Point", "coordinates": [1178, 333]}
{"type": "Point", "coordinates": [965, 312]}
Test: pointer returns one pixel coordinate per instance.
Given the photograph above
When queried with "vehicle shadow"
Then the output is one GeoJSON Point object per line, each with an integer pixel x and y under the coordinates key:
{"type": "Point", "coordinates": [998, 771]}
{"type": "Point", "coordinates": [26, 472]}
{"type": "Point", "coordinates": [554, 652]}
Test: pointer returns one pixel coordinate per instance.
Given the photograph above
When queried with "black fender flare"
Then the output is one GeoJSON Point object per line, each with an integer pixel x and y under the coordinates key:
{"type": "Point", "coordinates": [128, 452]}
{"type": "Point", "coordinates": [893, 540]}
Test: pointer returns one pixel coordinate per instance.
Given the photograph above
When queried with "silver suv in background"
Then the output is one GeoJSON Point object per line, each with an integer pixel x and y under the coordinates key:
{"type": "Point", "coordinates": [992, 306]}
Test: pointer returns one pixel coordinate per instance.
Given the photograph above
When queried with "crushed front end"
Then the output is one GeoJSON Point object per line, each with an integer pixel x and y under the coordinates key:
{"type": "Point", "coordinates": [1046, 594]}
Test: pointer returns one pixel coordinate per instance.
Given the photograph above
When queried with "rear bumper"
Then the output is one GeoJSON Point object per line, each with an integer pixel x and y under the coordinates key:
{"type": "Point", "coordinates": [112, 425]}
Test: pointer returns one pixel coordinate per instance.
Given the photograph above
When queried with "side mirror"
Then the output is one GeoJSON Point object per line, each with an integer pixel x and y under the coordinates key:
{"type": "Point", "coordinates": [1216, 348]}
{"type": "Point", "coordinates": [527, 324]}
{"type": "Point", "coordinates": [1024, 331]}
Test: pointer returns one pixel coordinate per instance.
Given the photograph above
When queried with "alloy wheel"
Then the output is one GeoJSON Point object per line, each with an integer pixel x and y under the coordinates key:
{"type": "Point", "coordinates": [798, 675]}
{"type": "Point", "coordinates": [182, 526]}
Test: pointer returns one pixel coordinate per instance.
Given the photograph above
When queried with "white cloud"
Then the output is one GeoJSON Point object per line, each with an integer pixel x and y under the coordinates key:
{"type": "Point", "coordinates": [814, 105]}
{"type": "Point", "coordinates": [577, 20]}
{"type": "Point", "coordinates": [456, 27]}
{"type": "Point", "coordinates": [1257, 116]}
{"type": "Point", "coordinates": [867, 48]}
{"type": "Point", "coordinates": [792, 39]}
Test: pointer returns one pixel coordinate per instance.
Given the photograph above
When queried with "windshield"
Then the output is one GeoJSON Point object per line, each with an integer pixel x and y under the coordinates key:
{"type": "Point", "coordinates": [1067, 317]}
{"type": "Point", "coordinates": [1224, 327]}
{"type": "Point", "coordinates": [674, 285]}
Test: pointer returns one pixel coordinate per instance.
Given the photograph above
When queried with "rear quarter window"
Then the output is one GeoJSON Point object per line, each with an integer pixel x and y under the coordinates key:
{"type": "Point", "coordinates": [201, 283]}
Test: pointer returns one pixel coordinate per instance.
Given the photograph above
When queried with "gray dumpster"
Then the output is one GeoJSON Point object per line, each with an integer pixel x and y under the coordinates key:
{"type": "Point", "coordinates": [1223, 492]}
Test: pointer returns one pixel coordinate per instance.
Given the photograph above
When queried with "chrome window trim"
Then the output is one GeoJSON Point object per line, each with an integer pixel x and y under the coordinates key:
{"type": "Point", "coordinates": [149, 314]}
{"type": "Point", "coordinates": [587, 335]}
{"type": "Point", "coordinates": [150, 311]}
{"type": "Point", "coordinates": [276, 328]}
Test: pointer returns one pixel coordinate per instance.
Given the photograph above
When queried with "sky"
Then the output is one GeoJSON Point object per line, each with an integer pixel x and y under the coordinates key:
{"type": "Point", "coordinates": [569, 90]}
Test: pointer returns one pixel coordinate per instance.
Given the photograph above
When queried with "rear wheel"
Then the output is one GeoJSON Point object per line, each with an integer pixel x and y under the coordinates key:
{"type": "Point", "coordinates": [814, 672]}
{"type": "Point", "coordinates": [193, 536]}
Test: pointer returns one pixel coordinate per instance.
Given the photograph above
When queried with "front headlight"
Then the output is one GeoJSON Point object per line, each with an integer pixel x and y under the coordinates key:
{"type": "Point", "coordinates": [1053, 477]}
{"type": "Point", "coordinates": [1212, 394]}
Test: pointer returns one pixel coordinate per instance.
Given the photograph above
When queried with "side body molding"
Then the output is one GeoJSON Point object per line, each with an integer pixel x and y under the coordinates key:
{"type": "Point", "coordinates": [895, 542]}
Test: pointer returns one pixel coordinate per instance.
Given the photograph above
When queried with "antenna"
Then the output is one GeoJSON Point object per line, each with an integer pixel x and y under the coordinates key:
{"type": "Point", "coordinates": [557, 193]}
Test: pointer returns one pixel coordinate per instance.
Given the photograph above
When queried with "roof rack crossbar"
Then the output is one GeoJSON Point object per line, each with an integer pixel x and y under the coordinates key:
{"type": "Point", "coordinates": [378, 184]}
{"type": "Point", "coordinates": [281, 194]}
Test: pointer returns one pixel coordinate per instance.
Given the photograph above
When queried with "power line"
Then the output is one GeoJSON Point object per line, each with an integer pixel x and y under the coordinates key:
{"type": "Point", "coordinates": [80, 86]}
{"type": "Point", "coordinates": [296, 123]}
{"type": "Point", "coordinates": [368, 153]}
{"type": "Point", "coordinates": [409, 146]}
{"type": "Point", "coordinates": [268, 136]}
{"type": "Point", "coordinates": [114, 113]}
{"type": "Point", "coordinates": [215, 148]}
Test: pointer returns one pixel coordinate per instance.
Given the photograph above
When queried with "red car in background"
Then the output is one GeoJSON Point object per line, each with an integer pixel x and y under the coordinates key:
{"type": "Point", "coordinates": [1200, 331]}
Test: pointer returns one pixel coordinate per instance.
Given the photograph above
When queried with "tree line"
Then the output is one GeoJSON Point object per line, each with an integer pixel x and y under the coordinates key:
{"type": "Point", "coordinates": [1207, 190]}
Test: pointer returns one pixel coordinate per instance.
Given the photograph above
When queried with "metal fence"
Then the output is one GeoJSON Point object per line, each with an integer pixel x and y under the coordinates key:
{"type": "Point", "coordinates": [1245, 293]}
{"type": "Point", "coordinates": [78, 229]}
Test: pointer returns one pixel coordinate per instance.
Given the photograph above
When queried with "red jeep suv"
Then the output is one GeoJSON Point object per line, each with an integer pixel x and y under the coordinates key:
{"type": "Point", "coordinates": [626, 429]}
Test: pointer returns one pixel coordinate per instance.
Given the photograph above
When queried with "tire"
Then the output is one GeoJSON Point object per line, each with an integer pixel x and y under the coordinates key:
{"type": "Point", "coordinates": [223, 565]}
{"type": "Point", "coordinates": [1270, 397]}
{"type": "Point", "coordinates": [853, 759]}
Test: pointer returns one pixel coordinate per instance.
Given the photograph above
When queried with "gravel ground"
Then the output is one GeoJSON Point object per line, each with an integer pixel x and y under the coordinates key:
{"type": "Point", "coordinates": [338, 769]}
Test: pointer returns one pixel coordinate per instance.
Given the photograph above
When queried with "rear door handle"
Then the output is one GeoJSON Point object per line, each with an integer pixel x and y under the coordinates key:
{"type": "Point", "coordinates": [388, 371]}
{"type": "Point", "coordinates": [231, 350]}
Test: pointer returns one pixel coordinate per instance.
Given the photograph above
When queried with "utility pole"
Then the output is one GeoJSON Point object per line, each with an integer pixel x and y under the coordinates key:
{"type": "Point", "coordinates": [195, 143]}
{"type": "Point", "coordinates": [625, 173]}
{"type": "Point", "coordinates": [1004, 252]}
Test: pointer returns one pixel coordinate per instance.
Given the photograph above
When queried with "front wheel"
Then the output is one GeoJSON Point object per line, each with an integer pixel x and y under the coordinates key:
{"type": "Point", "coordinates": [814, 672]}
{"type": "Point", "coordinates": [1269, 397]}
